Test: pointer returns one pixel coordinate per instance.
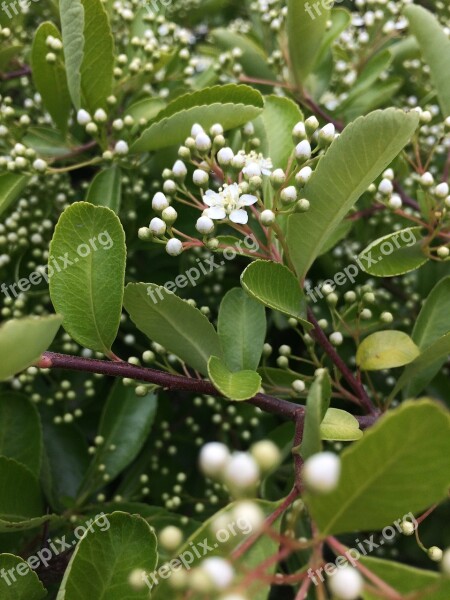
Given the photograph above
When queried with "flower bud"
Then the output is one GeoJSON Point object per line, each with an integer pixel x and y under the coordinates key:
{"type": "Point", "coordinates": [203, 142]}
{"type": "Point", "coordinates": [395, 202]}
{"type": "Point", "coordinates": [321, 472]}
{"type": "Point", "coordinates": [157, 226]}
{"type": "Point", "coordinates": [225, 156]}
{"type": "Point", "coordinates": [336, 338]}
{"type": "Point", "coordinates": [40, 165]}
{"type": "Point", "coordinates": [267, 218]}
{"type": "Point", "coordinates": [427, 179]}
{"type": "Point", "coordinates": [385, 187]}
{"type": "Point", "coordinates": [327, 135]}
{"type": "Point", "coordinates": [179, 170]}
{"type": "Point", "coordinates": [346, 583]}
{"type": "Point", "coordinates": [299, 132]}
{"type": "Point", "coordinates": [170, 538]}
{"type": "Point", "coordinates": [83, 117]}
{"type": "Point", "coordinates": [200, 178]}
{"type": "Point", "coordinates": [242, 471]}
{"type": "Point", "coordinates": [288, 194]}
{"type": "Point", "coordinates": [204, 225]}
{"type": "Point", "coordinates": [298, 386]}
{"type": "Point", "coordinates": [100, 115]}
{"type": "Point", "coordinates": [441, 190]}
{"type": "Point", "coordinates": [302, 205]}
{"type": "Point", "coordinates": [121, 148]}
{"type": "Point", "coordinates": [303, 151]}
{"type": "Point", "coordinates": [303, 176]}
{"type": "Point", "coordinates": [266, 454]}
{"type": "Point", "coordinates": [159, 202]}
{"type": "Point", "coordinates": [169, 215]}
{"type": "Point", "coordinates": [435, 553]}
{"type": "Point", "coordinates": [174, 247]}
{"type": "Point", "coordinates": [277, 178]}
{"type": "Point", "coordinates": [311, 124]}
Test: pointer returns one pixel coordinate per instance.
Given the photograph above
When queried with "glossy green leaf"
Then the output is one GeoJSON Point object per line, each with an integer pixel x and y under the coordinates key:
{"type": "Point", "coordinates": [25, 585]}
{"type": "Point", "coordinates": [104, 559]}
{"type": "Point", "coordinates": [276, 287]}
{"type": "Point", "coordinates": [240, 385]}
{"type": "Point", "coordinates": [317, 404]}
{"type": "Point", "coordinates": [407, 580]}
{"type": "Point", "coordinates": [50, 79]}
{"type": "Point", "coordinates": [172, 322]}
{"type": "Point", "coordinates": [339, 425]}
{"type": "Point", "coordinates": [387, 473]}
{"type": "Point", "coordinates": [88, 290]}
{"type": "Point", "coordinates": [435, 47]}
{"type": "Point", "coordinates": [231, 105]}
{"type": "Point", "coordinates": [146, 109]}
{"type": "Point", "coordinates": [106, 189]}
{"type": "Point", "coordinates": [242, 330]}
{"type": "Point", "coordinates": [22, 341]}
{"type": "Point", "coordinates": [47, 142]}
{"type": "Point", "coordinates": [354, 160]}
{"type": "Point", "coordinates": [125, 424]}
{"type": "Point", "coordinates": [394, 254]}
{"type": "Point", "coordinates": [305, 29]}
{"type": "Point", "coordinates": [386, 350]}
{"type": "Point", "coordinates": [88, 52]}
{"type": "Point", "coordinates": [11, 185]}
{"type": "Point", "coordinates": [20, 431]}
{"type": "Point", "coordinates": [20, 493]}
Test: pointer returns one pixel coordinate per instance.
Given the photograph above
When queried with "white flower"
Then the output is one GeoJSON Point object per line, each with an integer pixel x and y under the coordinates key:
{"type": "Point", "coordinates": [157, 226]}
{"type": "Point", "coordinates": [252, 169]}
{"type": "Point", "coordinates": [214, 457]}
{"type": "Point", "coordinates": [219, 571]}
{"type": "Point", "coordinates": [121, 148]}
{"type": "Point", "coordinates": [83, 117]}
{"type": "Point", "coordinates": [242, 470]}
{"type": "Point", "coordinates": [225, 156]}
{"type": "Point", "coordinates": [321, 472]}
{"type": "Point", "coordinates": [204, 225]}
{"type": "Point", "coordinates": [255, 164]}
{"type": "Point", "coordinates": [174, 247]}
{"type": "Point", "coordinates": [228, 202]}
{"type": "Point", "coordinates": [346, 584]}
{"type": "Point", "coordinates": [159, 201]}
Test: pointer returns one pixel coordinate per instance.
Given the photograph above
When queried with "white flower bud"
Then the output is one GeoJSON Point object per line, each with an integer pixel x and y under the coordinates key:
{"type": "Point", "coordinates": [395, 202]}
{"type": "Point", "coordinates": [159, 202]}
{"type": "Point", "coordinates": [203, 142]}
{"type": "Point", "coordinates": [427, 179]}
{"type": "Point", "coordinates": [219, 571]}
{"type": "Point", "coordinates": [136, 579]}
{"type": "Point", "coordinates": [144, 234]}
{"type": "Point", "coordinates": [179, 170]}
{"type": "Point", "coordinates": [303, 176]}
{"type": "Point", "coordinates": [91, 128]}
{"type": "Point", "coordinates": [196, 129]}
{"type": "Point", "coordinates": [321, 472]}
{"type": "Point", "coordinates": [435, 553]}
{"type": "Point", "coordinates": [118, 124]}
{"type": "Point", "coordinates": [303, 151]}
{"type": "Point", "coordinates": [204, 225]}
{"type": "Point", "coordinates": [445, 562]}
{"type": "Point", "coordinates": [248, 129]}
{"type": "Point", "coordinates": [242, 471]}
{"type": "Point", "coordinates": [346, 584]}
{"type": "Point", "coordinates": [250, 512]}
{"type": "Point", "coordinates": [121, 148]}
{"type": "Point", "coordinates": [170, 538]}
{"type": "Point", "coordinates": [336, 338]}
{"type": "Point", "coordinates": [268, 218]}
{"type": "Point", "coordinates": [100, 116]}
{"type": "Point", "coordinates": [311, 124]}
{"type": "Point", "coordinates": [407, 527]}
{"type": "Point", "coordinates": [288, 194]}
{"type": "Point", "coordinates": [389, 174]}
{"type": "Point", "coordinates": [225, 156]}
{"type": "Point", "coordinates": [385, 187]}
{"type": "Point", "coordinates": [40, 165]}
{"type": "Point", "coordinates": [252, 170]}
{"type": "Point", "coordinates": [238, 161]}
{"type": "Point", "coordinates": [200, 177]}
{"type": "Point", "coordinates": [299, 131]}
{"type": "Point", "coordinates": [174, 247]}
{"type": "Point", "coordinates": [441, 190]}
{"type": "Point", "coordinates": [298, 386]}
{"type": "Point", "coordinates": [302, 205]}
{"type": "Point", "coordinates": [327, 133]}
{"type": "Point", "coordinates": [169, 186]}
{"type": "Point", "coordinates": [83, 117]}
{"type": "Point", "coordinates": [169, 215]}
{"type": "Point", "coordinates": [157, 226]}
{"type": "Point", "coordinates": [216, 130]}
{"type": "Point", "coordinates": [386, 317]}
{"type": "Point", "coordinates": [443, 252]}
{"type": "Point", "coordinates": [277, 178]}
{"type": "Point", "coordinates": [214, 457]}
{"type": "Point", "coordinates": [266, 454]}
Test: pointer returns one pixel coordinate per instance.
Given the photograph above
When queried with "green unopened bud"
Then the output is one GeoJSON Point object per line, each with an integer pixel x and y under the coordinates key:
{"type": "Point", "coordinates": [302, 205]}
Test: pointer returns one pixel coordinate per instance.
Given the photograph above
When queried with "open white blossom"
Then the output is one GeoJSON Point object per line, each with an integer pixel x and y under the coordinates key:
{"type": "Point", "coordinates": [256, 164]}
{"type": "Point", "coordinates": [228, 202]}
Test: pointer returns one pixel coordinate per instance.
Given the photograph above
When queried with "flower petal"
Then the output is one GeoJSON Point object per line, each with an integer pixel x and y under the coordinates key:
{"type": "Point", "coordinates": [216, 212]}
{"type": "Point", "coordinates": [248, 199]}
{"type": "Point", "coordinates": [211, 198]}
{"type": "Point", "coordinates": [239, 216]}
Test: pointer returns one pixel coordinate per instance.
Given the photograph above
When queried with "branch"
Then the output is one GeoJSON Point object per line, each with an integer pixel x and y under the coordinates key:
{"type": "Point", "coordinates": [354, 383]}
{"type": "Point", "coordinates": [24, 72]}
{"type": "Point", "coordinates": [270, 404]}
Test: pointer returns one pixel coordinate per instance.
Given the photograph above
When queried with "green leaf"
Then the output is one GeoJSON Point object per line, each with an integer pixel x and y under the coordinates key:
{"type": "Point", "coordinates": [317, 404]}
{"type": "Point", "coordinates": [172, 322]}
{"type": "Point", "coordinates": [401, 465]}
{"type": "Point", "coordinates": [276, 287]}
{"type": "Point", "coordinates": [72, 27]}
{"type": "Point", "coordinates": [407, 580]}
{"type": "Point", "coordinates": [88, 291]}
{"type": "Point", "coordinates": [242, 330]}
{"type": "Point", "coordinates": [435, 47]}
{"type": "Point", "coordinates": [386, 350]}
{"type": "Point", "coordinates": [20, 493]}
{"type": "Point", "coordinates": [305, 29]}
{"type": "Point", "coordinates": [420, 372]}
{"type": "Point", "coordinates": [106, 189]}
{"type": "Point", "coordinates": [146, 109]}
{"type": "Point", "coordinates": [46, 142]}
{"type": "Point", "coordinates": [231, 105]}
{"type": "Point", "coordinates": [394, 254]}
{"type": "Point", "coordinates": [50, 79]}
{"type": "Point", "coordinates": [241, 385]}
{"type": "Point", "coordinates": [22, 341]}
{"type": "Point", "coordinates": [339, 425]}
{"type": "Point", "coordinates": [8, 54]}
{"type": "Point", "coordinates": [354, 160]}
{"type": "Point", "coordinates": [20, 431]}
{"type": "Point", "coordinates": [25, 585]}
{"type": "Point", "coordinates": [125, 424]}
{"type": "Point", "coordinates": [103, 560]}
{"type": "Point", "coordinates": [88, 52]}
{"type": "Point", "coordinates": [11, 185]}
